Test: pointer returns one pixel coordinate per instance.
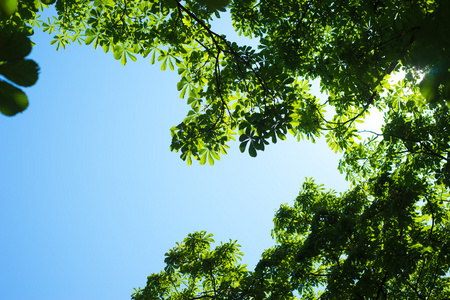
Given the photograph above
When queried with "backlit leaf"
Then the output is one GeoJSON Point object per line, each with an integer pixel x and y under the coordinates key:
{"type": "Point", "coordinates": [12, 99]}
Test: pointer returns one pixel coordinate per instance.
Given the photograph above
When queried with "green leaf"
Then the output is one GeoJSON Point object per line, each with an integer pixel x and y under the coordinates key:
{"type": "Point", "coordinates": [133, 58]}
{"type": "Point", "coordinates": [223, 150]}
{"type": "Point", "coordinates": [242, 146]}
{"type": "Point", "coordinates": [191, 100]}
{"type": "Point", "coordinates": [23, 72]}
{"type": "Point", "coordinates": [203, 159]}
{"type": "Point", "coordinates": [171, 3]}
{"type": "Point", "coordinates": [12, 99]}
{"type": "Point", "coordinates": [289, 81]}
{"type": "Point", "coordinates": [118, 51]}
{"type": "Point", "coordinates": [152, 61]}
{"type": "Point", "coordinates": [210, 159]}
{"type": "Point", "coordinates": [259, 145]}
{"type": "Point", "coordinates": [89, 40]}
{"type": "Point", "coordinates": [105, 47]}
{"type": "Point", "coordinates": [281, 136]}
{"type": "Point", "coordinates": [181, 84]}
{"type": "Point", "coordinates": [274, 138]}
{"type": "Point", "coordinates": [8, 7]}
{"type": "Point", "coordinates": [215, 155]}
{"type": "Point", "coordinates": [252, 150]}
{"type": "Point", "coordinates": [429, 87]}
{"type": "Point", "coordinates": [15, 47]}
{"type": "Point", "coordinates": [104, 2]}
{"type": "Point", "coordinates": [243, 137]}
{"type": "Point", "coordinates": [183, 92]}
{"type": "Point", "coordinates": [48, 2]}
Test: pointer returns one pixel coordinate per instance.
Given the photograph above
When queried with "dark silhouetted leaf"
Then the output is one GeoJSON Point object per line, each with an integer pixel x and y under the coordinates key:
{"type": "Point", "coordinates": [252, 150]}
{"type": "Point", "coordinates": [15, 47]}
{"type": "Point", "coordinates": [48, 2]}
{"type": "Point", "coordinates": [23, 72]}
{"type": "Point", "coordinates": [12, 99]}
{"type": "Point", "coordinates": [242, 146]}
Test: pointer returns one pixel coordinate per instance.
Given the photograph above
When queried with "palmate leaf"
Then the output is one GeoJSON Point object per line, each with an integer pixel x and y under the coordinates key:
{"type": "Point", "coordinates": [24, 72]}
{"type": "Point", "coordinates": [121, 53]}
{"type": "Point", "coordinates": [209, 155]}
{"type": "Point", "coordinates": [12, 99]}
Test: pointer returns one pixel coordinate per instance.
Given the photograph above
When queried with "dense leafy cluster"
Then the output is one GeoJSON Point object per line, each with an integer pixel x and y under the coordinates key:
{"type": "Point", "coordinates": [262, 94]}
{"type": "Point", "coordinates": [387, 237]}
{"type": "Point", "coordinates": [14, 47]}
{"type": "Point", "coordinates": [193, 268]}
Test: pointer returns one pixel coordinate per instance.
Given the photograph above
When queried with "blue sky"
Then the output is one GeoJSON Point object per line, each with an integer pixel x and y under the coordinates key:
{"type": "Point", "coordinates": [92, 197]}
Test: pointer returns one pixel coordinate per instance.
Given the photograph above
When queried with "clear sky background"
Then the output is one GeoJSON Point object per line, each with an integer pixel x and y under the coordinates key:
{"type": "Point", "coordinates": [91, 196]}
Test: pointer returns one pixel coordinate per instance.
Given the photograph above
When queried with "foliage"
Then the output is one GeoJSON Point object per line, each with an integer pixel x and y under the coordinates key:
{"type": "Point", "coordinates": [385, 239]}
{"type": "Point", "coordinates": [192, 267]}
{"type": "Point", "coordinates": [262, 94]}
{"type": "Point", "coordinates": [14, 47]}
{"type": "Point", "coordinates": [388, 236]}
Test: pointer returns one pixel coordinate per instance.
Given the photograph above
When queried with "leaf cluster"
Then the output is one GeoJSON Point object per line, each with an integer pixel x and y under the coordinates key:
{"type": "Point", "coordinates": [387, 238]}
{"type": "Point", "coordinates": [260, 94]}
{"type": "Point", "coordinates": [14, 47]}
{"type": "Point", "coordinates": [194, 271]}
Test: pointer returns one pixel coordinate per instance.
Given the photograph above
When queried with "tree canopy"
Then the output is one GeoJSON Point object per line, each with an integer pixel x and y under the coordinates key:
{"type": "Point", "coordinates": [260, 95]}
{"type": "Point", "coordinates": [373, 242]}
{"type": "Point", "coordinates": [387, 237]}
